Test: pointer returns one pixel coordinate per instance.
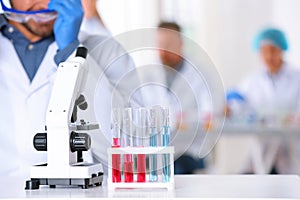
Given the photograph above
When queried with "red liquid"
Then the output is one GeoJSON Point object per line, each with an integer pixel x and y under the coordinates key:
{"type": "Point", "coordinates": [141, 168]}
{"type": "Point", "coordinates": [128, 171]}
{"type": "Point", "coordinates": [116, 168]}
{"type": "Point", "coordinates": [116, 142]}
{"type": "Point", "coordinates": [116, 162]}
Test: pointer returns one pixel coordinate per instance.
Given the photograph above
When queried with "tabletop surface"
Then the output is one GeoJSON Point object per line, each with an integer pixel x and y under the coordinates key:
{"type": "Point", "coordinates": [231, 129]}
{"type": "Point", "coordinates": [206, 186]}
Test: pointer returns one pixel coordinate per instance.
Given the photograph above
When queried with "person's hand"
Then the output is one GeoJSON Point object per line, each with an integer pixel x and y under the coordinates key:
{"type": "Point", "coordinates": [68, 22]}
{"type": "Point", "coordinates": [90, 8]}
{"type": "Point", "coordinates": [227, 111]}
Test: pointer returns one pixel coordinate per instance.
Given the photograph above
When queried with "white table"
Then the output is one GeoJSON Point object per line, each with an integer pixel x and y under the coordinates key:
{"type": "Point", "coordinates": [205, 186]}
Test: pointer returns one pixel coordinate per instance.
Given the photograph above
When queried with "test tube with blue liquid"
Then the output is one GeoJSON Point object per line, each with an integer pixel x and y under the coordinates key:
{"type": "Point", "coordinates": [166, 171]}
{"type": "Point", "coordinates": [154, 131]}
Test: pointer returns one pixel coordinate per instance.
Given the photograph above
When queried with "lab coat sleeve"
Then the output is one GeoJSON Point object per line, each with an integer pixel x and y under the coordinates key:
{"type": "Point", "coordinates": [94, 26]}
{"type": "Point", "coordinates": [244, 87]}
{"type": "Point", "coordinates": [236, 106]}
{"type": "Point", "coordinates": [64, 54]}
{"type": "Point", "coordinates": [117, 65]}
{"type": "Point", "coordinates": [249, 86]}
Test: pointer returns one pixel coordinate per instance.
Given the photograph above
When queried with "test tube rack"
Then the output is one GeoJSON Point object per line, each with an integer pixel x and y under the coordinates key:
{"type": "Point", "coordinates": [146, 151]}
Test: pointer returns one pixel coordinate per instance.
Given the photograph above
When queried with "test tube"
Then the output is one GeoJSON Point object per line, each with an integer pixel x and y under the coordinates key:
{"type": "Point", "coordinates": [128, 142]}
{"type": "Point", "coordinates": [116, 158]}
{"type": "Point", "coordinates": [153, 143]}
{"type": "Point", "coordinates": [166, 142]}
{"type": "Point", "coordinates": [141, 134]}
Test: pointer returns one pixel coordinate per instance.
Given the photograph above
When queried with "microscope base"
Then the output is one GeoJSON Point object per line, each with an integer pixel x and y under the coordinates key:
{"type": "Point", "coordinates": [95, 180]}
{"type": "Point", "coordinates": [83, 175]}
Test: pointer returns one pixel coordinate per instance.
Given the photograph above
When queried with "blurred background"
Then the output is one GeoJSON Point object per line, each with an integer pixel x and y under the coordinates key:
{"type": "Point", "coordinates": [224, 28]}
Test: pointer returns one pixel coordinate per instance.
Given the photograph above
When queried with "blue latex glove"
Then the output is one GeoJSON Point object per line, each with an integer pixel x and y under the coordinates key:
{"type": "Point", "coordinates": [234, 95]}
{"type": "Point", "coordinates": [68, 22]}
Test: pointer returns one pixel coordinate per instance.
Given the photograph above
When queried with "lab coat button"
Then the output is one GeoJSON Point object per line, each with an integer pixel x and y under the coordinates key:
{"type": "Point", "coordinates": [11, 29]}
{"type": "Point", "coordinates": [30, 47]}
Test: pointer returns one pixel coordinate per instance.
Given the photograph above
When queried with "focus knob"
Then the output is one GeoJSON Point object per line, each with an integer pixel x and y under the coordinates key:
{"type": "Point", "coordinates": [80, 142]}
{"type": "Point", "coordinates": [40, 141]}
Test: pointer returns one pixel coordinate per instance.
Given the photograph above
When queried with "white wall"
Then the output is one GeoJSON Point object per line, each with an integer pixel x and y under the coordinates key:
{"type": "Point", "coordinates": [286, 16]}
{"type": "Point", "coordinates": [230, 27]}
{"type": "Point", "coordinates": [124, 15]}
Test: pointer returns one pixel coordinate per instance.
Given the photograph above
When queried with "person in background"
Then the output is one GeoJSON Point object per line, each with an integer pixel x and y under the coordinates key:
{"type": "Point", "coordinates": [273, 94]}
{"type": "Point", "coordinates": [92, 22]}
{"type": "Point", "coordinates": [275, 89]}
{"type": "Point", "coordinates": [171, 56]}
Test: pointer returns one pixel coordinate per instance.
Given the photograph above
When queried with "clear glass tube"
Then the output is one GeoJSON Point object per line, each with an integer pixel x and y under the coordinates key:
{"type": "Point", "coordinates": [128, 142]}
{"type": "Point", "coordinates": [141, 134]}
{"type": "Point", "coordinates": [166, 173]}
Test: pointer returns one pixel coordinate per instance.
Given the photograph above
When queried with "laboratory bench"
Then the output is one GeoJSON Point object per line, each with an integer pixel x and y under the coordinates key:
{"type": "Point", "coordinates": [186, 186]}
{"type": "Point", "coordinates": [230, 145]}
{"type": "Point", "coordinates": [247, 142]}
{"type": "Point", "coordinates": [259, 130]}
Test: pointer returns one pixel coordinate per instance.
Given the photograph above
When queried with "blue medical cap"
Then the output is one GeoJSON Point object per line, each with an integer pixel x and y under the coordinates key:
{"type": "Point", "coordinates": [272, 36]}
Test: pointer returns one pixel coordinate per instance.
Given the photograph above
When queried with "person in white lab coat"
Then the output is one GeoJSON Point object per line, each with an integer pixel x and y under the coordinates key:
{"type": "Point", "coordinates": [273, 93]}
{"type": "Point", "coordinates": [275, 89]}
{"type": "Point", "coordinates": [31, 48]}
{"type": "Point", "coordinates": [184, 81]}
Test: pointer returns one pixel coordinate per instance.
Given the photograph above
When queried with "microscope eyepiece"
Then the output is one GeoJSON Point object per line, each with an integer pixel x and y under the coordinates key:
{"type": "Point", "coordinates": [81, 52]}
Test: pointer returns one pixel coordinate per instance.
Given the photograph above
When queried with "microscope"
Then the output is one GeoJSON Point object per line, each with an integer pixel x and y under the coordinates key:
{"type": "Point", "coordinates": [66, 137]}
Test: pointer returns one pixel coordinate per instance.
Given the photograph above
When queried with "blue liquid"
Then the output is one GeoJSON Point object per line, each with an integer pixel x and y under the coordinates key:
{"type": "Point", "coordinates": [153, 159]}
{"type": "Point", "coordinates": [166, 172]}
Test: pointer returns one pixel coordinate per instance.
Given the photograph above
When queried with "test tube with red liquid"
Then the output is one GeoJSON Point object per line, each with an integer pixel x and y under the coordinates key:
{"type": "Point", "coordinates": [116, 158]}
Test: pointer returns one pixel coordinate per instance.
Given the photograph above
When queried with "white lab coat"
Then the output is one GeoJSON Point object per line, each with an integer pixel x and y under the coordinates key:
{"type": "Point", "coordinates": [274, 98]}
{"type": "Point", "coordinates": [188, 97]}
{"type": "Point", "coordinates": [23, 104]}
